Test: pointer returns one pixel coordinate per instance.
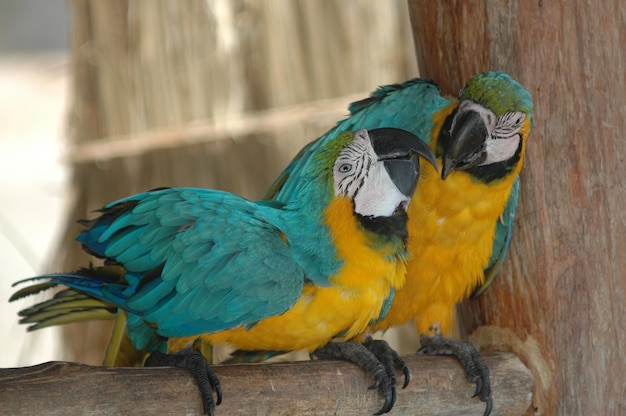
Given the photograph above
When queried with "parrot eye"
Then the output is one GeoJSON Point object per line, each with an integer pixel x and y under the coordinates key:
{"type": "Point", "coordinates": [345, 168]}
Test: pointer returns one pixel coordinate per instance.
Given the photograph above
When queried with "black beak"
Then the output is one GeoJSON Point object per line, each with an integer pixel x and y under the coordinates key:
{"type": "Point", "coordinates": [466, 147]}
{"type": "Point", "coordinates": [398, 149]}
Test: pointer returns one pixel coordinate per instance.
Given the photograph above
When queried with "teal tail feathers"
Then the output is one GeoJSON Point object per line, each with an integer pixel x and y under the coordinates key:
{"type": "Point", "coordinates": [90, 295]}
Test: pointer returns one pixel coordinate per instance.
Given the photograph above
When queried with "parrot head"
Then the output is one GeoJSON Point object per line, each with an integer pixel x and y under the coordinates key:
{"type": "Point", "coordinates": [486, 133]}
{"type": "Point", "coordinates": [378, 169]}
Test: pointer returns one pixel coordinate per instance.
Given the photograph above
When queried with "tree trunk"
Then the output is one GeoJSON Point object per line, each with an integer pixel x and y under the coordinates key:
{"type": "Point", "coordinates": [559, 301]}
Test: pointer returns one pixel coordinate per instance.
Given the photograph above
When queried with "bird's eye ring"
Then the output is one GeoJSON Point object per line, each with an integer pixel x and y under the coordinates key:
{"type": "Point", "coordinates": [345, 168]}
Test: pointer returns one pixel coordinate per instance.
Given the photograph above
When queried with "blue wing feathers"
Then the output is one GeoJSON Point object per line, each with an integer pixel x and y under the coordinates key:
{"type": "Point", "coordinates": [504, 227]}
{"type": "Point", "coordinates": [150, 294]}
{"type": "Point", "coordinates": [125, 242]}
{"type": "Point", "coordinates": [197, 260]}
{"type": "Point", "coordinates": [385, 90]}
{"type": "Point", "coordinates": [501, 241]}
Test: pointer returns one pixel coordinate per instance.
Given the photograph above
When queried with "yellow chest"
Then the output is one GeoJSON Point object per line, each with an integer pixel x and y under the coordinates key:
{"type": "Point", "coordinates": [451, 228]}
{"type": "Point", "coordinates": [452, 224]}
{"type": "Point", "coordinates": [354, 298]}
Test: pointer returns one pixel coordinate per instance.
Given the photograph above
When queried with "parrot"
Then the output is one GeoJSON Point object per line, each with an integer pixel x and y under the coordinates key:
{"type": "Point", "coordinates": [460, 220]}
{"type": "Point", "coordinates": [257, 275]}
{"type": "Point", "coordinates": [470, 208]}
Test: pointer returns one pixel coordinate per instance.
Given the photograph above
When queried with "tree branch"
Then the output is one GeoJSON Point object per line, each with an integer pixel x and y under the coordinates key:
{"type": "Point", "coordinates": [438, 386]}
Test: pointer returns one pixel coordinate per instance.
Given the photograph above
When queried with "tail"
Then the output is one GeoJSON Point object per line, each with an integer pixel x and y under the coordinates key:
{"type": "Point", "coordinates": [82, 301]}
{"type": "Point", "coordinates": [91, 289]}
{"type": "Point", "coordinates": [78, 304]}
{"type": "Point", "coordinates": [71, 306]}
{"type": "Point", "coordinates": [67, 306]}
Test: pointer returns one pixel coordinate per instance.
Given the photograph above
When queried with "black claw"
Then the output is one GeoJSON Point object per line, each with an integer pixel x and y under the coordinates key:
{"type": "Point", "coordinates": [407, 376]}
{"type": "Point", "coordinates": [390, 400]}
{"type": "Point", "coordinates": [378, 381]}
{"type": "Point", "coordinates": [488, 407]}
{"type": "Point", "coordinates": [471, 360]}
{"type": "Point", "coordinates": [390, 359]}
{"type": "Point", "coordinates": [479, 386]}
{"type": "Point", "coordinates": [195, 362]}
{"type": "Point", "coordinates": [368, 360]}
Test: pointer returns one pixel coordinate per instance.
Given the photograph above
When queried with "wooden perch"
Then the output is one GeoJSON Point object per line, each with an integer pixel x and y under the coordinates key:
{"type": "Point", "coordinates": [438, 386]}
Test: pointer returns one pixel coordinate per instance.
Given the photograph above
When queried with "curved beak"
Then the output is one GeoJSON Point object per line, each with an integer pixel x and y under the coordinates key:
{"type": "Point", "coordinates": [466, 147]}
{"type": "Point", "coordinates": [400, 151]}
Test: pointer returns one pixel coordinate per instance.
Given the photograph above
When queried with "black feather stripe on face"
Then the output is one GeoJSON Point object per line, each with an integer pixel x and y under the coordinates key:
{"type": "Point", "coordinates": [356, 156]}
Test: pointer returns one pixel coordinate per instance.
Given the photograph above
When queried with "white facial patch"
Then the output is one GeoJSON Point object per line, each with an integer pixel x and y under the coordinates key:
{"type": "Point", "coordinates": [359, 175]}
{"type": "Point", "coordinates": [505, 138]}
{"type": "Point", "coordinates": [489, 118]}
{"type": "Point", "coordinates": [379, 196]}
{"type": "Point", "coordinates": [499, 150]}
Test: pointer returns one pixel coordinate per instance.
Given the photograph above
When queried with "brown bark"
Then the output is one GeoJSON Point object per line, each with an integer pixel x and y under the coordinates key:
{"type": "Point", "coordinates": [296, 388]}
{"type": "Point", "coordinates": [559, 301]}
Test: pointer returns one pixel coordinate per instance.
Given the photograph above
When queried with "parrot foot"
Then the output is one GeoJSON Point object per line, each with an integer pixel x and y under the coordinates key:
{"type": "Point", "coordinates": [389, 358]}
{"type": "Point", "coordinates": [377, 358]}
{"type": "Point", "coordinates": [195, 362]}
{"type": "Point", "coordinates": [470, 359]}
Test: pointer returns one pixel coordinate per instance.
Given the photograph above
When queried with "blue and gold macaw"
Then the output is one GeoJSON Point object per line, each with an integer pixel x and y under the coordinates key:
{"type": "Point", "coordinates": [262, 275]}
{"type": "Point", "coordinates": [460, 220]}
{"type": "Point", "coordinates": [480, 140]}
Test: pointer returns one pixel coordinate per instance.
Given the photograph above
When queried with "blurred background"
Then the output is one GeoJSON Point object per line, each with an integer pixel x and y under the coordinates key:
{"type": "Point", "coordinates": [101, 99]}
{"type": "Point", "coordinates": [34, 80]}
{"type": "Point", "coordinates": [104, 99]}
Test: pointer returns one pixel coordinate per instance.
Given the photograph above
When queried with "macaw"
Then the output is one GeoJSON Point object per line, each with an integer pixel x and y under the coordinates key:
{"type": "Point", "coordinates": [417, 106]}
{"type": "Point", "coordinates": [263, 275]}
{"type": "Point", "coordinates": [460, 220]}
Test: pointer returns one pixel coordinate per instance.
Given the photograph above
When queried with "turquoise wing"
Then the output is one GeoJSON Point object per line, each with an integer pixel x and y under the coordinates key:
{"type": "Point", "coordinates": [502, 240]}
{"type": "Point", "coordinates": [196, 260]}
